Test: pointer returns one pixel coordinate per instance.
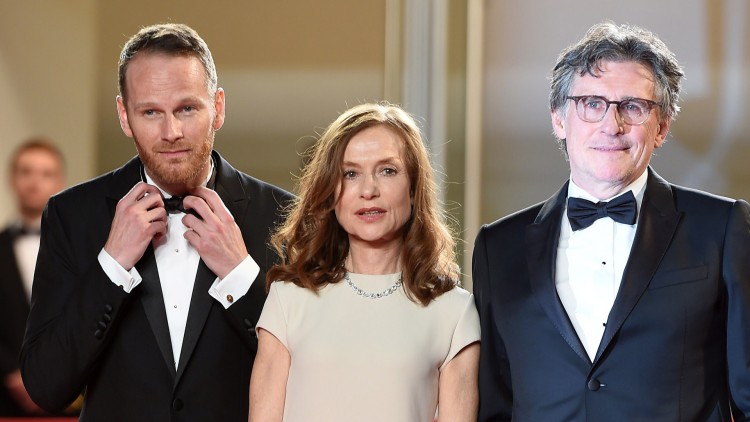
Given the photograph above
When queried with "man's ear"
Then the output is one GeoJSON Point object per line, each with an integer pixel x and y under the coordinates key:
{"type": "Point", "coordinates": [558, 124]}
{"type": "Point", "coordinates": [122, 115]}
{"type": "Point", "coordinates": [661, 133]}
{"type": "Point", "coordinates": [220, 107]}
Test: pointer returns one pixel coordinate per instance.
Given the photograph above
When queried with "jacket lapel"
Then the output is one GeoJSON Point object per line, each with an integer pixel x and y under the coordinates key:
{"type": "Point", "coordinates": [231, 192]}
{"type": "Point", "coordinates": [657, 224]}
{"type": "Point", "coordinates": [123, 179]}
{"type": "Point", "coordinates": [200, 306]}
{"type": "Point", "coordinates": [541, 253]}
{"type": "Point", "coordinates": [150, 293]}
{"type": "Point", "coordinates": [230, 189]}
{"type": "Point", "coordinates": [153, 305]}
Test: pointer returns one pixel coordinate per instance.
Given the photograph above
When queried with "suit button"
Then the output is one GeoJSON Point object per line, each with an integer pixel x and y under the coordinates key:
{"type": "Point", "coordinates": [248, 323]}
{"type": "Point", "coordinates": [98, 334]}
{"type": "Point", "coordinates": [107, 318]}
{"type": "Point", "coordinates": [177, 404]}
{"type": "Point", "coordinates": [594, 385]}
{"type": "Point", "coordinates": [102, 325]}
{"type": "Point", "coordinates": [107, 309]}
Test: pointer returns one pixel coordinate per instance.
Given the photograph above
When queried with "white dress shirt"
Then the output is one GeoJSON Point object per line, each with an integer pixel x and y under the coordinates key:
{"type": "Point", "coordinates": [26, 249]}
{"type": "Point", "coordinates": [177, 264]}
{"type": "Point", "coordinates": [590, 264]}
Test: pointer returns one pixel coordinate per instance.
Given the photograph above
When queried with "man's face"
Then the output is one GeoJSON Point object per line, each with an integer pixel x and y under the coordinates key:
{"type": "Point", "coordinates": [172, 118]}
{"type": "Point", "coordinates": [37, 175]}
{"type": "Point", "coordinates": [607, 156]}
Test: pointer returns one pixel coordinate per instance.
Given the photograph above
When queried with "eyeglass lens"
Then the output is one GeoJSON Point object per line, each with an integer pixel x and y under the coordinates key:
{"type": "Point", "coordinates": [593, 109]}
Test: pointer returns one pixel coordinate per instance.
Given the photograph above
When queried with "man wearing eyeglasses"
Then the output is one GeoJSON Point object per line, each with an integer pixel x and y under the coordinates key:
{"type": "Point", "coordinates": [622, 297]}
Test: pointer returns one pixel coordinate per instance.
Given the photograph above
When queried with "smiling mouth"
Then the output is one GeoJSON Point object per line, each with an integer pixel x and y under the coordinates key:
{"type": "Point", "coordinates": [612, 148]}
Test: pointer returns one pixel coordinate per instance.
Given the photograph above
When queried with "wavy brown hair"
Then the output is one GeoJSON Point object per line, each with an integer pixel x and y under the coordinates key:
{"type": "Point", "coordinates": [312, 244]}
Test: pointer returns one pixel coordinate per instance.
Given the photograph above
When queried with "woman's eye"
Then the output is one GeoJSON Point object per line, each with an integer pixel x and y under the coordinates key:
{"type": "Point", "coordinates": [389, 171]}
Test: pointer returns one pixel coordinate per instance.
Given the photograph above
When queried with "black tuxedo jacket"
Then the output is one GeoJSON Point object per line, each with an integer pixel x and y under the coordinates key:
{"type": "Point", "coordinates": [14, 308]}
{"type": "Point", "coordinates": [84, 331]}
{"type": "Point", "coordinates": [676, 346]}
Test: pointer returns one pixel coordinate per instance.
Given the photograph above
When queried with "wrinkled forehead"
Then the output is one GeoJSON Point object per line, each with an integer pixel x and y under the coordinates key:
{"type": "Point", "coordinates": [626, 78]}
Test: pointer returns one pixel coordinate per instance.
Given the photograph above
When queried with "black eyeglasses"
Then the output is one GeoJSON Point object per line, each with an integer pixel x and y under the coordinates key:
{"type": "Point", "coordinates": [593, 108]}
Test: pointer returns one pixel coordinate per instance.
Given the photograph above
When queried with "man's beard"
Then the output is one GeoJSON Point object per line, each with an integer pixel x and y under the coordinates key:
{"type": "Point", "coordinates": [187, 172]}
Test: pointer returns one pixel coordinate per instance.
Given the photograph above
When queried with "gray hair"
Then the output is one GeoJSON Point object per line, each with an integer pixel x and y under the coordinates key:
{"type": "Point", "coordinates": [607, 42]}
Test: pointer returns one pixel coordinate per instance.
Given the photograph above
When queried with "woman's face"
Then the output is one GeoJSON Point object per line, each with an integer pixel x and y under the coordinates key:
{"type": "Point", "coordinates": [373, 202]}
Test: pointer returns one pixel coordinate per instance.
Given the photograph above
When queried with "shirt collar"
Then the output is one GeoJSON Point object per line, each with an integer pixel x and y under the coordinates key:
{"type": "Point", "coordinates": [638, 187]}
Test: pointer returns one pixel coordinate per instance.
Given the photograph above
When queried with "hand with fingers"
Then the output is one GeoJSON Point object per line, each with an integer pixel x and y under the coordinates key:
{"type": "Point", "coordinates": [215, 235]}
{"type": "Point", "coordinates": [139, 218]}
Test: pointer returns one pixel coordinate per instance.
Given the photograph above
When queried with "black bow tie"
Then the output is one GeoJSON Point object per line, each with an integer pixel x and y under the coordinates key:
{"type": "Point", "coordinates": [26, 231]}
{"type": "Point", "coordinates": [174, 205]}
{"type": "Point", "coordinates": [583, 213]}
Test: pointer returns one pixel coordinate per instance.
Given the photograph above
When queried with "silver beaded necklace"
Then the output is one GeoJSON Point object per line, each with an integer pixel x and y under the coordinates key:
{"type": "Point", "coordinates": [369, 295]}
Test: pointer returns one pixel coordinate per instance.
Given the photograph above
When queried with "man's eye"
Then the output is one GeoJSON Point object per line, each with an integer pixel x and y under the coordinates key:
{"type": "Point", "coordinates": [631, 106]}
{"type": "Point", "coordinates": [593, 104]}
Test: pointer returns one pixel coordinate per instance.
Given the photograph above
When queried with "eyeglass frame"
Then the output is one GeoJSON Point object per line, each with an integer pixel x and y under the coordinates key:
{"type": "Point", "coordinates": [576, 98]}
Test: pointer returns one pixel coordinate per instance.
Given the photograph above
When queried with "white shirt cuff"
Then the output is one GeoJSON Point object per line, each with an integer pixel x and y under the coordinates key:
{"type": "Point", "coordinates": [117, 274]}
{"type": "Point", "coordinates": [236, 284]}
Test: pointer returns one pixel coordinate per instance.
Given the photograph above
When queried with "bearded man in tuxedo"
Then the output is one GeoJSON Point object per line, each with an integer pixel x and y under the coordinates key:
{"type": "Point", "coordinates": [150, 278]}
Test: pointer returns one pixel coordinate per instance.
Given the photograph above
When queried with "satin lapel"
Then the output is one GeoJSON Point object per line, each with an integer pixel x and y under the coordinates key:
{"type": "Point", "coordinates": [541, 252]}
{"type": "Point", "coordinates": [121, 181]}
{"type": "Point", "coordinates": [153, 304]}
{"type": "Point", "coordinates": [200, 305]}
{"type": "Point", "coordinates": [230, 190]}
{"type": "Point", "coordinates": [657, 224]}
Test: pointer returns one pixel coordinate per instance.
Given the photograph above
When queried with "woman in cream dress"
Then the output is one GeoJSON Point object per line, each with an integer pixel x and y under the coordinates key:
{"type": "Point", "coordinates": [369, 323]}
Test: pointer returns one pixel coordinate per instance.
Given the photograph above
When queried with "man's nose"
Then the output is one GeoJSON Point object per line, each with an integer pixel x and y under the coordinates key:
{"type": "Point", "coordinates": [171, 128]}
{"type": "Point", "coordinates": [612, 122]}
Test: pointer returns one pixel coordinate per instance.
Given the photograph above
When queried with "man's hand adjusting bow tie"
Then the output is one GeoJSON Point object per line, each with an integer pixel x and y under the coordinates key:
{"type": "Point", "coordinates": [583, 213]}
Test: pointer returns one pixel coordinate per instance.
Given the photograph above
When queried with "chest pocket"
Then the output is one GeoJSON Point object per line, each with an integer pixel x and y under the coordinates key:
{"type": "Point", "coordinates": [679, 276]}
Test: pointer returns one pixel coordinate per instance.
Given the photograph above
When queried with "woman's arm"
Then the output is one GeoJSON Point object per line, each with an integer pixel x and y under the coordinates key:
{"type": "Point", "coordinates": [458, 394]}
{"type": "Point", "coordinates": [268, 380]}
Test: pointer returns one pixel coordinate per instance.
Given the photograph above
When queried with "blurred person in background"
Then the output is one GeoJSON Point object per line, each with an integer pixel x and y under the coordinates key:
{"type": "Point", "coordinates": [366, 321]}
{"type": "Point", "coordinates": [36, 171]}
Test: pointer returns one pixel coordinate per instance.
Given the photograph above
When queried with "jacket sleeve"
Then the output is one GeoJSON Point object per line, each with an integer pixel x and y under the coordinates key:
{"type": "Point", "coordinates": [261, 219]}
{"type": "Point", "coordinates": [736, 273]}
{"type": "Point", "coordinates": [74, 306]}
{"type": "Point", "coordinates": [495, 391]}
